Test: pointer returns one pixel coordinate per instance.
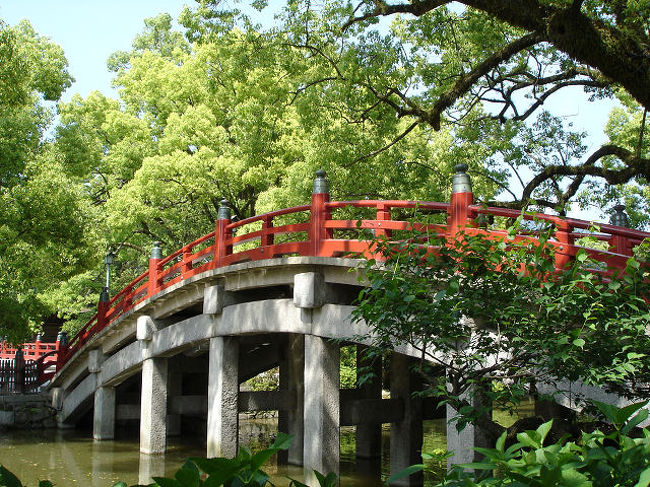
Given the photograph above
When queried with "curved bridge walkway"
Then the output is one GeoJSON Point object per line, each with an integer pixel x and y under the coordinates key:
{"type": "Point", "coordinates": [173, 347]}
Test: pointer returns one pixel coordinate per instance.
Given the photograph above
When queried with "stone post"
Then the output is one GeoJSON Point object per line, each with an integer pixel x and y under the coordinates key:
{"type": "Point", "coordinates": [153, 406]}
{"type": "Point", "coordinates": [153, 398]}
{"type": "Point", "coordinates": [405, 435]}
{"type": "Point", "coordinates": [462, 443]}
{"type": "Point", "coordinates": [223, 392]}
{"type": "Point", "coordinates": [291, 381]}
{"type": "Point", "coordinates": [322, 407]}
{"type": "Point", "coordinates": [104, 400]}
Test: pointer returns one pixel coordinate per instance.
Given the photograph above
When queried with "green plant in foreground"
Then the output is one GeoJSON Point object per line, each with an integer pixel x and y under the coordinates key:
{"type": "Point", "coordinates": [596, 460]}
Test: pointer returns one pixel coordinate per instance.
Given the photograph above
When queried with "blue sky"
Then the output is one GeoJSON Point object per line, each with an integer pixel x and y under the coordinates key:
{"type": "Point", "coordinates": [88, 31]}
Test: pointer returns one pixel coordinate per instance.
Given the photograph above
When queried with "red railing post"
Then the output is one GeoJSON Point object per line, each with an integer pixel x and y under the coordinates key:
{"type": "Point", "coordinates": [319, 214]}
{"type": "Point", "coordinates": [61, 349]}
{"type": "Point", "coordinates": [267, 238]}
{"type": "Point", "coordinates": [154, 269]}
{"type": "Point", "coordinates": [461, 198]}
{"type": "Point", "coordinates": [565, 250]}
{"type": "Point", "coordinates": [102, 308]}
{"type": "Point", "coordinates": [221, 249]}
{"type": "Point", "coordinates": [619, 243]}
{"type": "Point", "coordinates": [186, 268]}
{"type": "Point", "coordinates": [383, 214]}
{"type": "Point", "coordinates": [127, 298]}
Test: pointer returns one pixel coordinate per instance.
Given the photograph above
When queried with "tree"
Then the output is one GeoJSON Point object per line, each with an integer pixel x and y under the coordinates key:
{"type": "Point", "coordinates": [485, 71]}
{"type": "Point", "coordinates": [227, 116]}
{"type": "Point", "coordinates": [493, 320]}
{"type": "Point", "coordinates": [42, 214]}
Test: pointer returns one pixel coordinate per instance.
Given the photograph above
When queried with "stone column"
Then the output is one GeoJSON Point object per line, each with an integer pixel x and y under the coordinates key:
{"type": "Point", "coordinates": [405, 435]}
{"type": "Point", "coordinates": [322, 407]}
{"type": "Point", "coordinates": [223, 391]}
{"type": "Point", "coordinates": [462, 443]}
{"type": "Point", "coordinates": [153, 396]}
{"type": "Point", "coordinates": [368, 436]}
{"type": "Point", "coordinates": [153, 406]}
{"type": "Point", "coordinates": [291, 381]}
{"type": "Point", "coordinates": [104, 400]}
{"type": "Point", "coordinates": [104, 414]}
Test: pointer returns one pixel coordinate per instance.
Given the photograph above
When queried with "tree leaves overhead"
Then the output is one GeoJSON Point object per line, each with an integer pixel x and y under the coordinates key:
{"type": "Point", "coordinates": [473, 65]}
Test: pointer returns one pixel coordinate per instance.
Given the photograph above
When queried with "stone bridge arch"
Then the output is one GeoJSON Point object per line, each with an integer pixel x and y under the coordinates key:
{"type": "Point", "coordinates": [289, 312]}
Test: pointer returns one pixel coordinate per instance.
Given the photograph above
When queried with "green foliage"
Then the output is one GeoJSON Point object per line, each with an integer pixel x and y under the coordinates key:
{"type": "Point", "coordinates": [43, 213]}
{"type": "Point", "coordinates": [597, 459]}
{"type": "Point", "coordinates": [497, 311]}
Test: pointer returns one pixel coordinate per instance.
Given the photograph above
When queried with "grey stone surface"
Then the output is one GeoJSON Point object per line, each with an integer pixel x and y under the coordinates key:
{"type": "Point", "coordinates": [187, 295]}
{"type": "Point", "coordinates": [75, 399]}
{"type": "Point", "coordinates": [321, 407]}
{"type": "Point", "coordinates": [216, 298]}
{"type": "Point", "coordinates": [308, 290]}
{"type": "Point", "coordinates": [121, 365]}
{"type": "Point", "coordinates": [223, 391]}
{"type": "Point", "coordinates": [267, 316]}
{"type": "Point", "coordinates": [405, 435]}
{"type": "Point", "coordinates": [95, 360]}
{"type": "Point", "coordinates": [104, 414]}
{"type": "Point", "coordinates": [179, 336]}
{"type": "Point", "coordinates": [463, 442]}
{"type": "Point", "coordinates": [145, 328]}
{"type": "Point", "coordinates": [153, 406]}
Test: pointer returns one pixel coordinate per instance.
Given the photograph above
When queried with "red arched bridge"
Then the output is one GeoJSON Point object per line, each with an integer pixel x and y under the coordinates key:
{"type": "Point", "coordinates": [263, 292]}
{"type": "Point", "coordinates": [316, 236]}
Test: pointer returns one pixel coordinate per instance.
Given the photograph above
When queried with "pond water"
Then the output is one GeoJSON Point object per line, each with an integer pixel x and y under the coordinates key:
{"type": "Point", "coordinates": [73, 458]}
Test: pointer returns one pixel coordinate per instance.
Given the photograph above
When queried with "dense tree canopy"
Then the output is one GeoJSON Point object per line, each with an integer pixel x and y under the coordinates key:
{"type": "Point", "coordinates": [43, 216]}
{"type": "Point", "coordinates": [224, 108]}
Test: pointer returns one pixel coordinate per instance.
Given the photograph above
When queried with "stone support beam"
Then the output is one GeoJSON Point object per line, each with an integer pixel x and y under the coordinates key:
{"type": "Point", "coordinates": [405, 435]}
{"type": "Point", "coordinates": [153, 406]}
{"type": "Point", "coordinates": [321, 407]}
{"type": "Point", "coordinates": [223, 391]}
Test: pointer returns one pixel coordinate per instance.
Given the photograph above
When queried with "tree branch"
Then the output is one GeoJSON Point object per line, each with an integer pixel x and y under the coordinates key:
{"type": "Point", "coordinates": [463, 85]}
{"type": "Point", "coordinates": [635, 166]}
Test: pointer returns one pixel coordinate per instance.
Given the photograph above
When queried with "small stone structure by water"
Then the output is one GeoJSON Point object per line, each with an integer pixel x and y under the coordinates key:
{"type": "Point", "coordinates": [27, 411]}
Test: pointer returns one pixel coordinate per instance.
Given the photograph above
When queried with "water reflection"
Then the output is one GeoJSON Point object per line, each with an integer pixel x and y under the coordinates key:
{"type": "Point", "coordinates": [71, 457]}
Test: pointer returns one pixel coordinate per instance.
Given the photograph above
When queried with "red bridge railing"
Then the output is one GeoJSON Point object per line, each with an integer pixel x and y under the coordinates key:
{"type": "Point", "coordinates": [315, 230]}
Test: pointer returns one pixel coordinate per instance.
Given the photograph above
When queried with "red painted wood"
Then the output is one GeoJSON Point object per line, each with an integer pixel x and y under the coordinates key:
{"type": "Point", "coordinates": [220, 248]}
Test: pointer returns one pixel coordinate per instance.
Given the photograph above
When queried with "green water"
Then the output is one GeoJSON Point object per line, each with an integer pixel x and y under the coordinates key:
{"type": "Point", "coordinates": [70, 457]}
{"type": "Point", "coordinates": [73, 458]}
